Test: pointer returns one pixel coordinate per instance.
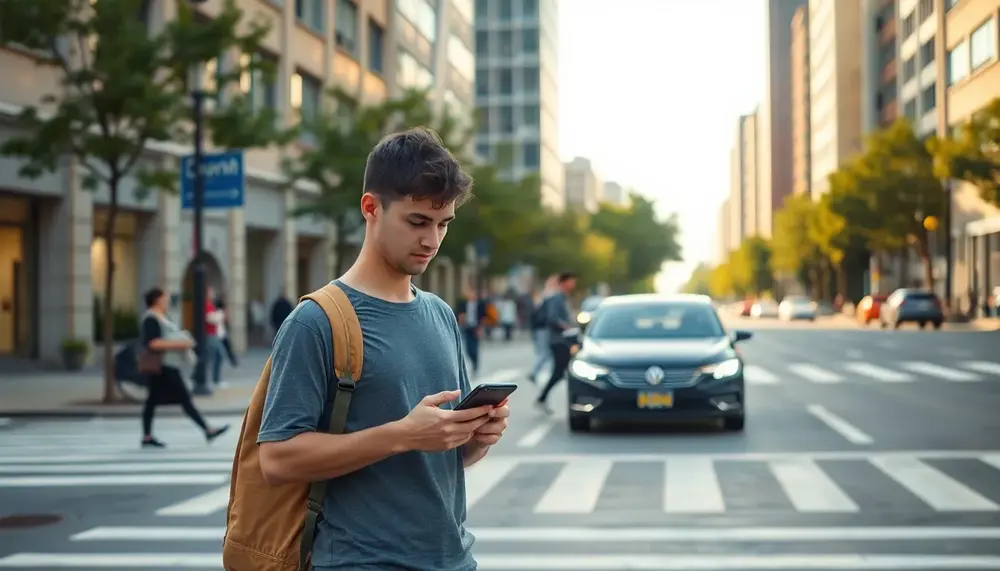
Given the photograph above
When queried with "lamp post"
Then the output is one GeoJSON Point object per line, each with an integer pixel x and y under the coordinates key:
{"type": "Point", "coordinates": [201, 386]}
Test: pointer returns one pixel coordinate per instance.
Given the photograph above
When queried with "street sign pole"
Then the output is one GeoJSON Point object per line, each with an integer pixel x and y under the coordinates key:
{"type": "Point", "coordinates": [198, 299]}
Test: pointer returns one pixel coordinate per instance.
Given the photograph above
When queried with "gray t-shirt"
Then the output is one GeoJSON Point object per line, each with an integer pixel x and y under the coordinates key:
{"type": "Point", "coordinates": [408, 511]}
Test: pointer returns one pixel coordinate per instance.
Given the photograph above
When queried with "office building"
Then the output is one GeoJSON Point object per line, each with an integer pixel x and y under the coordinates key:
{"type": "Point", "coordinates": [800, 102]}
{"type": "Point", "coordinates": [834, 87]}
{"type": "Point", "coordinates": [615, 194]}
{"type": "Point", "coordinates": [969, 71]}
{"type": "Point", "coordinates": [723, 239]}
{"type": "Point", "coordinates": [917, 79]}
{"type": "Point", "coordinates": [880, 81]}
{"type": "Point", "coordinates": [774, 124]}
{"type": "Point", "coordinates": [743, 196]}
{"type": "Point", "coordinates": [516, 91]}
{"type": "Point", "coordinates": [584, 187]}
{"type": "Point", "coordinates": [52, 230]}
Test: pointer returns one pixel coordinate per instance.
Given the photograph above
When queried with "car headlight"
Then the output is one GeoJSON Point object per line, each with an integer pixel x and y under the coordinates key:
{"type": "Point", "coordinates": [586, 371]}
{"type": "Point", "coordinates": [583, 317]}
{"type": "Point", "coordinates": [724, 369]}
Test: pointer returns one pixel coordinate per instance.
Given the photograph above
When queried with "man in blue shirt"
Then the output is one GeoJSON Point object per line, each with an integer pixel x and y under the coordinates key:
{"type": "Point", "coordinates": [396, 500]}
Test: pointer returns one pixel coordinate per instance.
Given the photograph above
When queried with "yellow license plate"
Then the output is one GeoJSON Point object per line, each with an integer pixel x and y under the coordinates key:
{"type": "Point", "coordinates": [656, 400]}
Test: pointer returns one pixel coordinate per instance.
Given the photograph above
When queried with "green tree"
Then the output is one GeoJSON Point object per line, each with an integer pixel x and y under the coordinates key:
{"type": "Point", "coordinates": [793, 249]}
{"type": "Point", "coordinates": [642, 240]}
{"type": "Point", "coordinates": [720, 282]}
{"type": "Point", "coordinates": [122, 87]}
{"type": "Point", "coordinates": [973, 154]}
{"type": "Point", "coordinates": [342, 134]}
{"type": "Point", "coordinates": [700, 281]}
{"type": "Point", "coordinates": [750, 266]}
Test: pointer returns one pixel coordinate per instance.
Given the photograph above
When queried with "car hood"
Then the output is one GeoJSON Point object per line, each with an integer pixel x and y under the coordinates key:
{"type": "Point", "coordinates": [662, 352]}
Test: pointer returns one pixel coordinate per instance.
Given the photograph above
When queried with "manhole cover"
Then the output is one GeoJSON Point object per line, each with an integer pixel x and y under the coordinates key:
{"type": "Point", "coordinates": [18, 521]}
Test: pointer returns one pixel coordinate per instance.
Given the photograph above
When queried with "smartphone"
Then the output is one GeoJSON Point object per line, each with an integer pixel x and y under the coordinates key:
{"type": "Point", "coordinates": [487, 394]}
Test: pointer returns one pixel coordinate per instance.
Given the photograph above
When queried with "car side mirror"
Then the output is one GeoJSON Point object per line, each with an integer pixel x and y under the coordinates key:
{"type": "Point", "coordinates": [742, 335]}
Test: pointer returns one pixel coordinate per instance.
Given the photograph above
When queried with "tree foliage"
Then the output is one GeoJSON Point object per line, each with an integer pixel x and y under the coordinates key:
{"type": "Point", "coordinates": [700, 281]}
{"type": "Point", "coordinates": [121, 87]}
{"type": "Point", "coordinates": [973, 154]}
{"type": "Point", "coordinates": [750, 266]}
{"type": "Point", "coordinates": [642, 241]}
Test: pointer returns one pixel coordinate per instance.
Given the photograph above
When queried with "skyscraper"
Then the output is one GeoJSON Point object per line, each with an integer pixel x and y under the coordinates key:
{"type": "Point", "coordinates": [516, 91]}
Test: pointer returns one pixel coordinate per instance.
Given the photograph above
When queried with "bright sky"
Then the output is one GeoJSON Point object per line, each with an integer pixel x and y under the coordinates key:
{"type": "Point", "coordinates": [650, 91]}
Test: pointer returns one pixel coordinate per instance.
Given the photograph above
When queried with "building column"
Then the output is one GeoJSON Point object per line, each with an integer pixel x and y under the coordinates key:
{"type": "Point", "coordinates": [66, 300]}
{"type": "Point", "coordinates": [236, 290]}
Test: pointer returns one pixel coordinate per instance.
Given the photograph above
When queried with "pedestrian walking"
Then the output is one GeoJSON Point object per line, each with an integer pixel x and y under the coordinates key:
{"type": "Point", "coordinates": [540, 329]}
{"type": "Point", "coordinates": [164, 348]}
{"type": "Point", "coordinates": [396, 470]}
{"type": "Point", "coordinates": [557, 319]}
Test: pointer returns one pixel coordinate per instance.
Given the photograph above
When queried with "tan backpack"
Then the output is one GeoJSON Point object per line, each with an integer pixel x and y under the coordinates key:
{"type": "Point", "coordinates": [271, 528]}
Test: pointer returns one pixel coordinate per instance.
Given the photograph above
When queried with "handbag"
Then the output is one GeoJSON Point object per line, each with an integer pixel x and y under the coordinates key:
{"type": "Point", "coordinates": [150, 362]}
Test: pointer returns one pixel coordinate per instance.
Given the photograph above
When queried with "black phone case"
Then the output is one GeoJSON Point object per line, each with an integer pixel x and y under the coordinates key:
{"type": "Point", "coordinates": [492, 394]}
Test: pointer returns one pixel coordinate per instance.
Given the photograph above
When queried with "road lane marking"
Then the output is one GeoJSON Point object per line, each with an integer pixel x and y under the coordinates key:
{"type": "Point", "coordinates": [813, 373]}
{"type": "Point", "coordinates": [576, 489]}
{"type": "Point", "coordinates": [809, 488]}
{"type": "Point", "coordinates": [105, 480]}
{"type": "Point", "coordinates": [937, 490]}
{"type": "Point", "coordinates": [536, 434]}
{"type": "Point", "coordinates": [691, 486]}
{"type": "Point", "coordinates": [878, 373]}
{"type": "Point", "coordinates": [985, 367]}
{"type": "Point", "coordinates": [940, 372]}
{"type": "Point", "coordinates": [853, 434]}
{"type": "Point", "coordinates": [551, 561]}
{"type": "Point", "coordinates": [484, 475]}
{"type": "Point", "coordinates": [116, 468]}
{"type": "Point", "coordinates": [755, 375]}
{"type": "Point", "coordinates": [606, 534]}
{"type": "Point", "coordinates": [201, 505]}
{"type": "Point", "coordinates": [992, 460]}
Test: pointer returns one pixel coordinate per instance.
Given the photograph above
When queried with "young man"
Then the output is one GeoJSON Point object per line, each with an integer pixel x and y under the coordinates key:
{"type": "Point", "coordinates": [397, 496]}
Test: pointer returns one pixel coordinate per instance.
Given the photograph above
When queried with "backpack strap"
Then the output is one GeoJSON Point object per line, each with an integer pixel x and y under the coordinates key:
{"type": "Point", "coordinates": [348, 355]}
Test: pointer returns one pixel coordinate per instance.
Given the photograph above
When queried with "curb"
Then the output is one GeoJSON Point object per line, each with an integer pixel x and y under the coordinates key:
{"type": "Point", "coordinates": [135, 412]}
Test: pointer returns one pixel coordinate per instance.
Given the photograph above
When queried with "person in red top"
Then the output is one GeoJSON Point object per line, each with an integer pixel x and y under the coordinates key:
{"type": "Point", "coordinates": [214, 351]}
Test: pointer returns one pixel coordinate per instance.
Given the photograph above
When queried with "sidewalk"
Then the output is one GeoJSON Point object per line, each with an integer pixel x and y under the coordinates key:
{"type": "Point", "coordinates": [47, 393]}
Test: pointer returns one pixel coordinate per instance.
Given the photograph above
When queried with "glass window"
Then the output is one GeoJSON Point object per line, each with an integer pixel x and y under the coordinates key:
{"type": "Point", "coordinates": [529, 41]}
{"type": "Point", "coordinates": [506, 9]}
{"type": "Point", "coordinates": [530, 115]}
{"type": "Point", "coordinates": [376, 43]}
{"type": "Point", "coordinates": [506, 119]}
{"type": "Point", "coordinates": [457, 108]}
{"type": "Point", "coordinates": [482, 81]}
{"type": "Point", "coordinates": [928, 99]}
{"type": "Point", "coordinates": [482, 10]}
{"type": "Point", "coordinates": [304, 94]}
{"type": "Point", "coordinates": [262, 90]}
{"type": "Point", "coordinates": [983, 44]}
{"type": "Point", "coordinates": [461, 57]}
{"type": "Point", "coordinates": [660, 321]}
{"type": "Point", "coordinates": [529, 7]}
{"type": "Point", "coordinates": [421, 14]}
{"type": "Point", "coordinates": [482, 43]}
{"type": "Point", "coordinates": [346, 26]}
{"type": "Point", "coordinates": [529, 83]}
{"type": "Point", "coordinates": [312, 13]}
{"type": "Point", "coordinates": [412, 75]}
{"type": "Point", "coordinates": [506, 81]}
{"type": "Point", "coordinates": [958, 63]}
{"type": "Point", "coordinates": [531, 156]}
{"type": "Point", "coordinates": [466, 9]}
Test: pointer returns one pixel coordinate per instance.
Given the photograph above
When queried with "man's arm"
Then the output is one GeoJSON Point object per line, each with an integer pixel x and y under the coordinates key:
{"type": "Point", "coordinates": [472, 451]}
{"type": "Point", "coordinates": [291, 449]}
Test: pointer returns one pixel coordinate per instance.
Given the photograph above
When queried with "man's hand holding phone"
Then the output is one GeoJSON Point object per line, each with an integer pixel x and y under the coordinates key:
{"type": "Point", "coordinates": [430, 428]}
{"type": "Point", "coordinates": [490, 432]}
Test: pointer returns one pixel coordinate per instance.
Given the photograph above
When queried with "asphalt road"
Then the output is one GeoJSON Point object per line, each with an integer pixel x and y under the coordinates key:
{"type": "Point", "coordinates": [864, 449]}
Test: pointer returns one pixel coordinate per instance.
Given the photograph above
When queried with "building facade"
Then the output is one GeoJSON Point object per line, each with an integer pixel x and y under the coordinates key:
{"type": "Point", "coordinates": [774, 124]}
{"type": "Point", "coordinates": [834, 80]}
{"type": "Point", "coordinates": [517, 93]}
{"type": "Point", "coordinates": [917, 79]}
{"type": "Point", "coordinates": [969, 77]}
{"type": "Point", "coordinates": [723, 240]}
{"type": "Point", "coordinates": [800, 102]}
{"type": "Point", "coordinates": [52, 230]}
{"type": "Point", "coordinates": [880, 78]}
{"type": "Point", "coordinates": [742, 210]}
{"type": "Point", "coordinates": [614, 193]}
{"type": "Point", "coordinates": [584, 188]}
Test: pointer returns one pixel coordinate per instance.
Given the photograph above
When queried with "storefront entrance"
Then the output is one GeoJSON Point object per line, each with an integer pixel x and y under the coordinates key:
{"type": "Point", "coordinates": [18, 271]}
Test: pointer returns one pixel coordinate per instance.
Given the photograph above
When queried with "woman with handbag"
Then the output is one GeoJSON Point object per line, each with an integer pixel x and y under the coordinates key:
{"type": "Point", "coordinates": [162, 354]}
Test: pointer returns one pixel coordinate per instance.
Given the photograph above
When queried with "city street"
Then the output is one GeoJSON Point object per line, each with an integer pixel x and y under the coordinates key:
{"type": "Point", "coordinates": [864, 449]}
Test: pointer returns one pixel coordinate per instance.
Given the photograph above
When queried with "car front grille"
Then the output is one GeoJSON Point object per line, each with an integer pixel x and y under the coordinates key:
{"type": "Point", "coordinates": [672, 378]}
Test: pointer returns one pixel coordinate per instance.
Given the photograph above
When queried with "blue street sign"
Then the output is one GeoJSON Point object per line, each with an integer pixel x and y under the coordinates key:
{"type": "Point", "coordinates": [223, 176]}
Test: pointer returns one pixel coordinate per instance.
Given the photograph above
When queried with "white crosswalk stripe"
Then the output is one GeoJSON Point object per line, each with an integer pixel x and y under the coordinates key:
{"type": "Point", "coordinates": [814, 373]}
{"type": "Point", "coordinates": [757, 374]}
{"type": "Point", "coordinates": [940, 372]}
{"type": "Point", "coordinates": [877, 372]}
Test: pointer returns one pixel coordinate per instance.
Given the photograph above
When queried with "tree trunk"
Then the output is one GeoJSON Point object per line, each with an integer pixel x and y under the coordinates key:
{"type": "Point", "coordinates": [841, 280]}
{"type": "Point", "coordinates": [925, 259]}
{"type": "Point", "coordinates": [110, 380]}
{"type": "Point", "coordinates": [815, 277]}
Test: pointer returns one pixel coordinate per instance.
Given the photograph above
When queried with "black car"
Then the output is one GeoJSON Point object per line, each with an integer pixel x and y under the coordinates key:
{"type": "Point", "coordinates": [650, 357]}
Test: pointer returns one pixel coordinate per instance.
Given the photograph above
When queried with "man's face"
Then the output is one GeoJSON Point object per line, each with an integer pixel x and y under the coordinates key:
{"type": "Point", "coordinates": [408, 233]}
{"type": "Point", "coordinates": [569, 285]}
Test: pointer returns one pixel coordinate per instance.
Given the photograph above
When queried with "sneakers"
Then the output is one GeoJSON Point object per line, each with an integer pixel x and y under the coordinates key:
{"type": "Point", "coordinates": [210, 435]}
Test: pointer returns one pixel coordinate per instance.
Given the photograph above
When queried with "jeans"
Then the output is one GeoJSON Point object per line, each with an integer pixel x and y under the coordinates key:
{"type": "Point", "coordinates": [215, 354]}
{"type": "Point", "coordinates": [472, 347]}
{"type": "Point", "coordinates": [543, 353]}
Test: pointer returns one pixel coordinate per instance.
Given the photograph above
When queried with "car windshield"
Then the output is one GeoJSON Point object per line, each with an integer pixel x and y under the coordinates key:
{"type": "Point", "coordinates": [591, 303]}
{"type": "Point", "coordinates": [656, 321]}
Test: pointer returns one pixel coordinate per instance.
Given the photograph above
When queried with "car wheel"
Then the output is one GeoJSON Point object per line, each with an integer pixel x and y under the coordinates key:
{"type": "Point", "coordinates": [579, 423]}
{"type": "Point", "coordinates": [937, 325]}
{"type": "Point", "coordinates": [734, 423]}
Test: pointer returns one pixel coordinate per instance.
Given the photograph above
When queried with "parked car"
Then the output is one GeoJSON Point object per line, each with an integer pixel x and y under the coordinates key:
{"type": "Point", "coordinates": [869, 308]}
{"type": "Point", "coordinates": [797, 307]}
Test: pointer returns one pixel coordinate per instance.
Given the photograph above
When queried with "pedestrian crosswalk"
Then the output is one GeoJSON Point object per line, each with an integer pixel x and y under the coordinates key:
{"type": "Point", "coordinates": [957, 371]}
{"type": "Point", "coordinates": [566, 501]}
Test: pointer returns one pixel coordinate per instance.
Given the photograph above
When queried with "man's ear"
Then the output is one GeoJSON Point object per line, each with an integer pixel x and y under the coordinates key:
{"type": "Point", "coordinates": [369, 206]}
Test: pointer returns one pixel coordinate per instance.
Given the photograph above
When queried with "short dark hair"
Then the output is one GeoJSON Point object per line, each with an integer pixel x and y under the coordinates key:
{"type": "Point", "coordinates": [416, 164]}
{"type": "Point", "coordinates": [566, 276]}
{"type": "Point", "coordinates": [152, 295]}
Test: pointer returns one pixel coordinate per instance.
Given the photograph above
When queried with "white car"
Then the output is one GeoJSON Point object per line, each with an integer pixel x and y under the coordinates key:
{"type": "Point", "coordinates": [764, 308]}
{"type": "Point", "coordinates": [797, 307]}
